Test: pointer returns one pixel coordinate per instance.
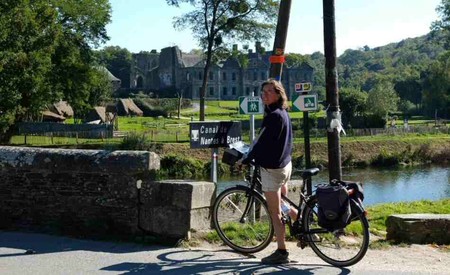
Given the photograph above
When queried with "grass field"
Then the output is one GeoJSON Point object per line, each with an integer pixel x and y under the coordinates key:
{"type": "Point", "coordinates": [174, 129]}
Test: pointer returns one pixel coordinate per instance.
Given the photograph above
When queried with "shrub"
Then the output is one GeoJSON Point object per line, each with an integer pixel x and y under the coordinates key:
{"type": "Point", "coordinates": [385, 159]}
{"type": "Point", "coordinates": [181, 167]}
{"type": "Point", "coordinates": [150, 110]}
{"type": "Point", "coordinates": [135, 141]}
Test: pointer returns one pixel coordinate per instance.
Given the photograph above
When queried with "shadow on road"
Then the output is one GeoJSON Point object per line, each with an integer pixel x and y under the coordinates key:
{"type": "Point", "coordinates": [129, 258]}
{"type": "Point", "coordinates": [199, 261]}
{"type": "Point", "coordinates": [31, 243]}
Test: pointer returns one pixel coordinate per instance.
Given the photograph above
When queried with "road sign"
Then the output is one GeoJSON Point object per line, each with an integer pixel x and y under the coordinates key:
{"type": "Point", "coordinates": [304, 103]}
{"type": "Point", "coordinates": [251, 105]}
{"type": "Point", "coordinates": [214, 134]}
{"type": "Point", "coordinates": [303, 87]}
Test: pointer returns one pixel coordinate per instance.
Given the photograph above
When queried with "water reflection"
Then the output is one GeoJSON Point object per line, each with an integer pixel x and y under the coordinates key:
{"type": "Point", "coordinates": [390, 185]}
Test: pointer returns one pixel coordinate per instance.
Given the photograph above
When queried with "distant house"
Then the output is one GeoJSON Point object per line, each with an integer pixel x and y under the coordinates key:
{"type": "Point", "coordinates": [114, 80]}
{"type": "Point", "coordinates": [97, 115]}
{"type": "Point", "coordinates": [127, 107]}
{"type": "Point", "coordinates": [57, 112]}
{"type": "Point", "coordinates": [48, 116]}
{"type": "Point", "coordinates": [174, 70]}
{"type": "Point", "coordinates": [62, 108]}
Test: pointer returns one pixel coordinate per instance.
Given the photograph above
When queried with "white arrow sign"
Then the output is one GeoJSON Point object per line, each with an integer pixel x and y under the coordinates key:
{"type": "Point", "coordinates": [251, 105]}
{"type": "Point", "coordinates": [304, 103]}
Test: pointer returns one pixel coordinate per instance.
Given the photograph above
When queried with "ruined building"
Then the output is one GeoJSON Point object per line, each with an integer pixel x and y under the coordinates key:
{"type": "Point", "coordinates": [174, 71]}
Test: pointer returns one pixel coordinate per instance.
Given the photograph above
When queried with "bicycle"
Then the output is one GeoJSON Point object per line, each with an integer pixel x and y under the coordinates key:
{"type": "Point", "coordinates": [241, 219]}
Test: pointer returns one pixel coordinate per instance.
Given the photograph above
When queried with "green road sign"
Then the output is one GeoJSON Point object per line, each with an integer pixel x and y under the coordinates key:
{"type": "Point", "coordinates": [304, 103]}
{"type": "Point", "coordinates": [250, 105]}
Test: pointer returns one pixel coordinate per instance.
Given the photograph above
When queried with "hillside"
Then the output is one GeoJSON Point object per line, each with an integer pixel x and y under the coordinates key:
{"type": "Point", "coordinates": [415, 68]}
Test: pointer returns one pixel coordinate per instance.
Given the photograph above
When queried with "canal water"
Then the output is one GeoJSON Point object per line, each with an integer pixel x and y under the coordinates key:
{"type": "Point", "coordinates": [387, 185]}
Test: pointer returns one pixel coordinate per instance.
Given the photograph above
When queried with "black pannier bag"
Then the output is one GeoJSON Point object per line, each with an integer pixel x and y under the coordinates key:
{"type": "Point", "coordinates": [334, 206]}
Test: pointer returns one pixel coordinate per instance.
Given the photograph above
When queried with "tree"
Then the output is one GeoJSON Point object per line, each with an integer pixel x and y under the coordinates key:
{"type": "Point", "coordinates": [352, 102]}
{"type": "Point", "coordinates": [118, 61]}
{"type": "Point", "coordinates": [217, 22]}
{"type": "Point", "coordinates": [45, 50]}
{"type": "Point", "coordinates": [444, 23]}
{"type": "Point", "coordinates": [382, 99]}
{"type": "Point", "coordinates": [436, 96]}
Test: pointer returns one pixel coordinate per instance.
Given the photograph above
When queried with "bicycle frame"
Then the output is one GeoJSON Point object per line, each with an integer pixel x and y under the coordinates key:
{"type": "Point", "coordinates": [305, 194]}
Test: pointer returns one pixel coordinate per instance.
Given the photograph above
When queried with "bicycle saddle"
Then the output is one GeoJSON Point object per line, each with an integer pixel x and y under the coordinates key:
{"type": "Point", "coordinates": [310, 172]}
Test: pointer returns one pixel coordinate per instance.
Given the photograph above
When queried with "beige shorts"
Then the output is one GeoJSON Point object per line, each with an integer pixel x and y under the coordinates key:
{"type": "Point", "coordinates": [273, 179]}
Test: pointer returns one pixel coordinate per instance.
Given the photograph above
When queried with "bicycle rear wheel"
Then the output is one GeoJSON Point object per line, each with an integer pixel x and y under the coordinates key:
{"type": "Point", "coordinates": [343, 247]}
{"type": "Point", "coordinates": [242, 220]}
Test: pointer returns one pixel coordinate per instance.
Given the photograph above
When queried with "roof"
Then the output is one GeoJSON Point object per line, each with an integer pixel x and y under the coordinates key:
{"type": "Point", "coordinates": [190, 60]}
{"type": "Point", "coordinates": [130, 107]}
{"type": "Point", "coordinates": [62, 108]}
{"type": "Point", "coordinates": [49, 115]}
{"type": "Point", "coordinates": [231, 62]}
{"type": "Point", "coordinates": [111, 77]}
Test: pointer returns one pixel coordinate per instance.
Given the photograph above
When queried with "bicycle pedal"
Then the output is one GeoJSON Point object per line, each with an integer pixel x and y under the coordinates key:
{"type": "Point", "coordinates": [302, 244]}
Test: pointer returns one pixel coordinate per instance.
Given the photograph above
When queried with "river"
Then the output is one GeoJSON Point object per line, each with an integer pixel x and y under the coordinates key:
{"type": "Point", "coordinates": [389, 185]}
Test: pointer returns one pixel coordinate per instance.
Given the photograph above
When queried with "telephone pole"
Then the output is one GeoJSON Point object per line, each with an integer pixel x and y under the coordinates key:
{"type": "Point", "coordinates": [333, 111]}
{"type": "Point", "coordinates": [277, 58]}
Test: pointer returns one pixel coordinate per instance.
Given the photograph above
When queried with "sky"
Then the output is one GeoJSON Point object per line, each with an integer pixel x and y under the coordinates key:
{"type": "Point", "coordinates": [144, 25]}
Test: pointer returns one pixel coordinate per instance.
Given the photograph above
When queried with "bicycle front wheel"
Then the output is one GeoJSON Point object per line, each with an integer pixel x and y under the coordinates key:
{"type": "Point", "coordinates": [343, 247]}
{"type": "Point", "coordinates": [242, 220]}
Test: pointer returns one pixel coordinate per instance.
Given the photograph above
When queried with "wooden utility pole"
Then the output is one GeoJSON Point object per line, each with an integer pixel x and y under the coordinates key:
{"type": "Point", "coordinates": [333, 111]}
{"type": "Point", "coordinates": [277, 58]}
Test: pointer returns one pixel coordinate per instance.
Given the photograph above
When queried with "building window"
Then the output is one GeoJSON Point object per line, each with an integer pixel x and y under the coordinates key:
{"type": "Point", "coordinates": [233, 91]}
{"type": "Point", "coordinates": [211, 76]}
{"type": "Point", "coordinates": [224, 76]}
{"type": "Point", "coordinates": [199, 92]}
{"type": "Point", "coordinates": [224, 91]}
{"type": "Point", "coordinates": [247, 90]}
{"type": "Point", "coordinates": [263, 76]}
{"type": "Point", "coordinates": [211, 91]}
{"type": "Point", "coordinates": [200, 76]}
{"type": "Point", "coordinates": [233, 76]}
{"type": "Point", "coordinates": [255, 76]}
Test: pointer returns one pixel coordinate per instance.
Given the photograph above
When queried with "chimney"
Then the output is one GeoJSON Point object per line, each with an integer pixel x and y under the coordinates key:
{"type": "Point", "coordinates": [258, 47]}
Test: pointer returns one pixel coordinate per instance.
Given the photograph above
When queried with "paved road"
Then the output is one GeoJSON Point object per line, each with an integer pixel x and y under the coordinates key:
{"type": "Point", "coordinates": [61, 255]}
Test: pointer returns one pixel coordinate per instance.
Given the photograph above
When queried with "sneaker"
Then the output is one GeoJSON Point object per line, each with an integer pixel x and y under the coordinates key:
{"type": "Point", "coordinates": [276, 258]}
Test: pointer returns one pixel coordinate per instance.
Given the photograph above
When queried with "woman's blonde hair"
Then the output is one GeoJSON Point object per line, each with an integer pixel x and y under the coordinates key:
{"type": "Point", "coordinates": [279, 89]}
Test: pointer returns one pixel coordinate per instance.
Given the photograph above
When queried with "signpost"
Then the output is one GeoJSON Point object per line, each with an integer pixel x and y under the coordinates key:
{"type": "Point", "coordinates": [214, 134]}
{"type": "Point", "coordinates": [303, 87]}
{"type": "Point", "coordinates": [251, 105]}
{"type": "Point", "coordinates": [304, 102]}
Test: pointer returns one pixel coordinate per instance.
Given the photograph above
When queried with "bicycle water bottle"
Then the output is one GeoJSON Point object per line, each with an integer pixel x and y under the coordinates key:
{"type": "Point", "coordinates": [285, 209]}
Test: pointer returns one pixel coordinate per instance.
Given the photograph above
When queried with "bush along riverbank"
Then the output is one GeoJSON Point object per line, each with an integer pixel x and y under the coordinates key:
{"type": "Point", "coordinates": [178, 160]}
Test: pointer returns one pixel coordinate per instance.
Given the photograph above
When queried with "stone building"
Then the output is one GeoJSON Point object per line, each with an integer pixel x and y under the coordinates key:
{"type": "Point", "coordinates": [173, 71]}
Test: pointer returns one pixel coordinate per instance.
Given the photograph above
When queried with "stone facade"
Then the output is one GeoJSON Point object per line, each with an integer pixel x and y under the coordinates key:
{"type": "Point", "coordinates": [172, 69]}
{"type": "Point", "coordinates": [94, 193]}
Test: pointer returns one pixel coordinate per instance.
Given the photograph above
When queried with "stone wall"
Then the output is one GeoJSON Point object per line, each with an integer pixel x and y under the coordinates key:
{"type": "Point", "coordinates": [419, 228]}
{"type": "Point", "coordinates": [94, 193]}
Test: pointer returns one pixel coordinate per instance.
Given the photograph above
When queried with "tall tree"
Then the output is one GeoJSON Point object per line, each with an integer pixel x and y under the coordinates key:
{"type": "Point", "coordinates": [45, 49]}
{"type": "Point", "coordinates": [444, 22]}
{"type": "Point", "coordinates": [352, 102]}
{"type": "Point", "coordinates": [436, 96]}
{"type": "Point", "coordinates": [217, 22]}
{"type": "Point", "coordinates": [382, 99]}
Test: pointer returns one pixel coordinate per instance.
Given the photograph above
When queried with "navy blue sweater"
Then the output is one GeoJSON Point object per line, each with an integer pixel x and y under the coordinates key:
{"type": "Point", "coordinates": [273, 147]}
